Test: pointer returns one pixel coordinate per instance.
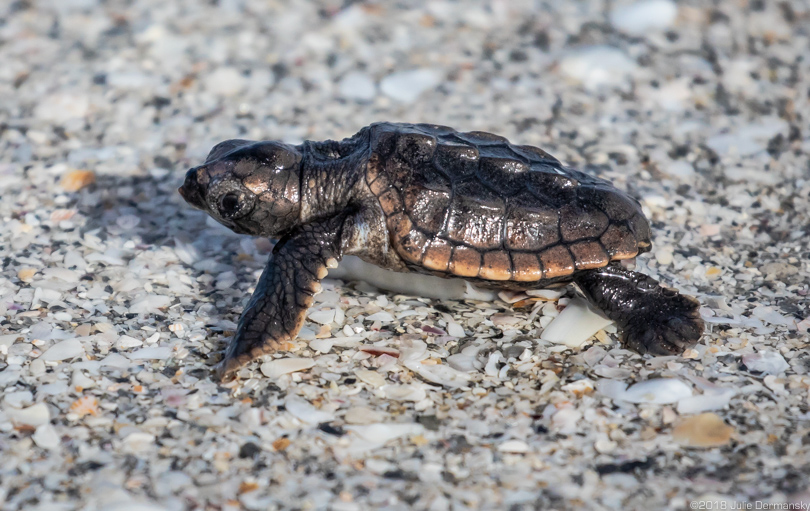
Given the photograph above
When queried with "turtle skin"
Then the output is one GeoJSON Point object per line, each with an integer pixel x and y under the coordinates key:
{"type": "Point", "coordinates": [426, 198]}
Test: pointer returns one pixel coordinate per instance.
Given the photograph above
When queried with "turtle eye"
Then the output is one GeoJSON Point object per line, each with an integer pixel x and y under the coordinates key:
{"type": "Point", "coordinates": [229, 205]}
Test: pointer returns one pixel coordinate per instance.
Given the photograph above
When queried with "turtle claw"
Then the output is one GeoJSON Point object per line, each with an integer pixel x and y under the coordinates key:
{"type": "Point", "coordinates": [225, 370]}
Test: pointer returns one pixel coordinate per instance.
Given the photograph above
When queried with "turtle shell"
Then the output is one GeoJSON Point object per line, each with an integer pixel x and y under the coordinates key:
{"type": "Point", "coordinates": [474, 205]}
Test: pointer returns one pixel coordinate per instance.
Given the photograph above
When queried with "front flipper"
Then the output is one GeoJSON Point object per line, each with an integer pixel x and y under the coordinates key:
{"type": "Point", "coordinates": [279, 304]}
{"type": "Point", "coordinates": [653, 319]}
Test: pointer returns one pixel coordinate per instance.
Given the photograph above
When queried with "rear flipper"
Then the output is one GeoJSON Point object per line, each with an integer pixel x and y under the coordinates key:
{"type": "Point", "coordinates": [653, 319]}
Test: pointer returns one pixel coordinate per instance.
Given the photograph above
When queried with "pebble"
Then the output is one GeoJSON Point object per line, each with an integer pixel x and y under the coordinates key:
{"type": "Point", "coordinates": [597, 66]}
{"type": "Point", "coordinates": [407, 86]}
{"type": "Point", "coordinates": [704, 430]}
{"type": "Point", "coordinates": [641, 17]}
{"type": "Point", "coordinates": [577, 323]}
{"type": "Point", "coordinates": [64, 350]}
{"type": "Point", "coordinates": [278, 367]}
{"type": "Point", "coordinates": [358, 86]}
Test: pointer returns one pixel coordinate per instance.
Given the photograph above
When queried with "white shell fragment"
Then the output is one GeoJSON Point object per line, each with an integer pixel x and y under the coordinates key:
{"type": "Point", "coordinates": [35, 415]}
{"type": "Point", "coordinates": [276, 368]}
{"type": "Point", "coordinates": [357, 86]}
{"type": "Point", "coordinates": [150, 303]}
{"type": "Point", "coordinates": [307, 413]}
{"type": "Point", "coordinates": [455, 329]}
{"type": "Point", "coordinates": [64, 350]}
{"type": "Point", "coordinates": [406, 86]}
{"type": "Point", "coordinates": [373, 378]}
{"type": "Point", "coordinates": [765, 362]}
{"type": "Point", "coordinates": [575, 324]}
{"type": "Point", "coordinates": [444, 375]}
{"type": "Point", "coordinates": [46, 437]}
{"type": "Point", "coordinates": [644, 16]}
{"type": "Point", "coordinates": [598, 66]}
{"type": "Point", "coordinates": [152, 353]}
{"type": "Point", "coordinates": [657, 390]}
{"type": "Point", "coordinates": [514, 446]}
{"type": "Point", "coordinates": [138, 441]}
{"type": "Point", "coordinates": [546, 294]}
{"type": "Point", "coordinates": [370, 436]}
{"type": "Point", "coordinates": [711, 399]}
{"type": "Point", "coordinates": [322, 316]}
{"type": "Point", "coordinates": [382, 316]}
{"type": "Point", "coordinates": [412, 392]}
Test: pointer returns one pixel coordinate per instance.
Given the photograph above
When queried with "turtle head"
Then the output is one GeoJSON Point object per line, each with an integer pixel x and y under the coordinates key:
{"type": "Point", "coordinates": [249, 187]}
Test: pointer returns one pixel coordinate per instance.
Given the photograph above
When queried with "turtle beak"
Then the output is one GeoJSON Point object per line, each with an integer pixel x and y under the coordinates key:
{"type": "Point", "coordinates": [191, 190]}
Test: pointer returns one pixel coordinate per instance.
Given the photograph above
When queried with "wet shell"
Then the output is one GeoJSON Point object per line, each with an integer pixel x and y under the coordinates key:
{"type": "Point", "coordinates": [473, 205]}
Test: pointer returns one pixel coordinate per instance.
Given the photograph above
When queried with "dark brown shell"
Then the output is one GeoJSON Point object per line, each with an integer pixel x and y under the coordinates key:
{"type": "Point", "coordinates": [473, 205]}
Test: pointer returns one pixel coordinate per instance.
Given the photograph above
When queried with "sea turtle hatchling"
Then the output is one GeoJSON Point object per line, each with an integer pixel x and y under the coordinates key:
{"type": "Point", "coordinates": [428, 199]}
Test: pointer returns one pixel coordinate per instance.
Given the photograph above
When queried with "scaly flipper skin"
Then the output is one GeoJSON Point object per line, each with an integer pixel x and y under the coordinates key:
{"type": "Point", "coordinates": [653, 319]}
{"type": "Point", "coordinates": [279, 304]}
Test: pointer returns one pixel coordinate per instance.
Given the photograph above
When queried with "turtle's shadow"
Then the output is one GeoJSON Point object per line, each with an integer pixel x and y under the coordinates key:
{"type": "Point", "coordinates": [146, 210]}
{"type": "Point", "coordinates": [137, 216]}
